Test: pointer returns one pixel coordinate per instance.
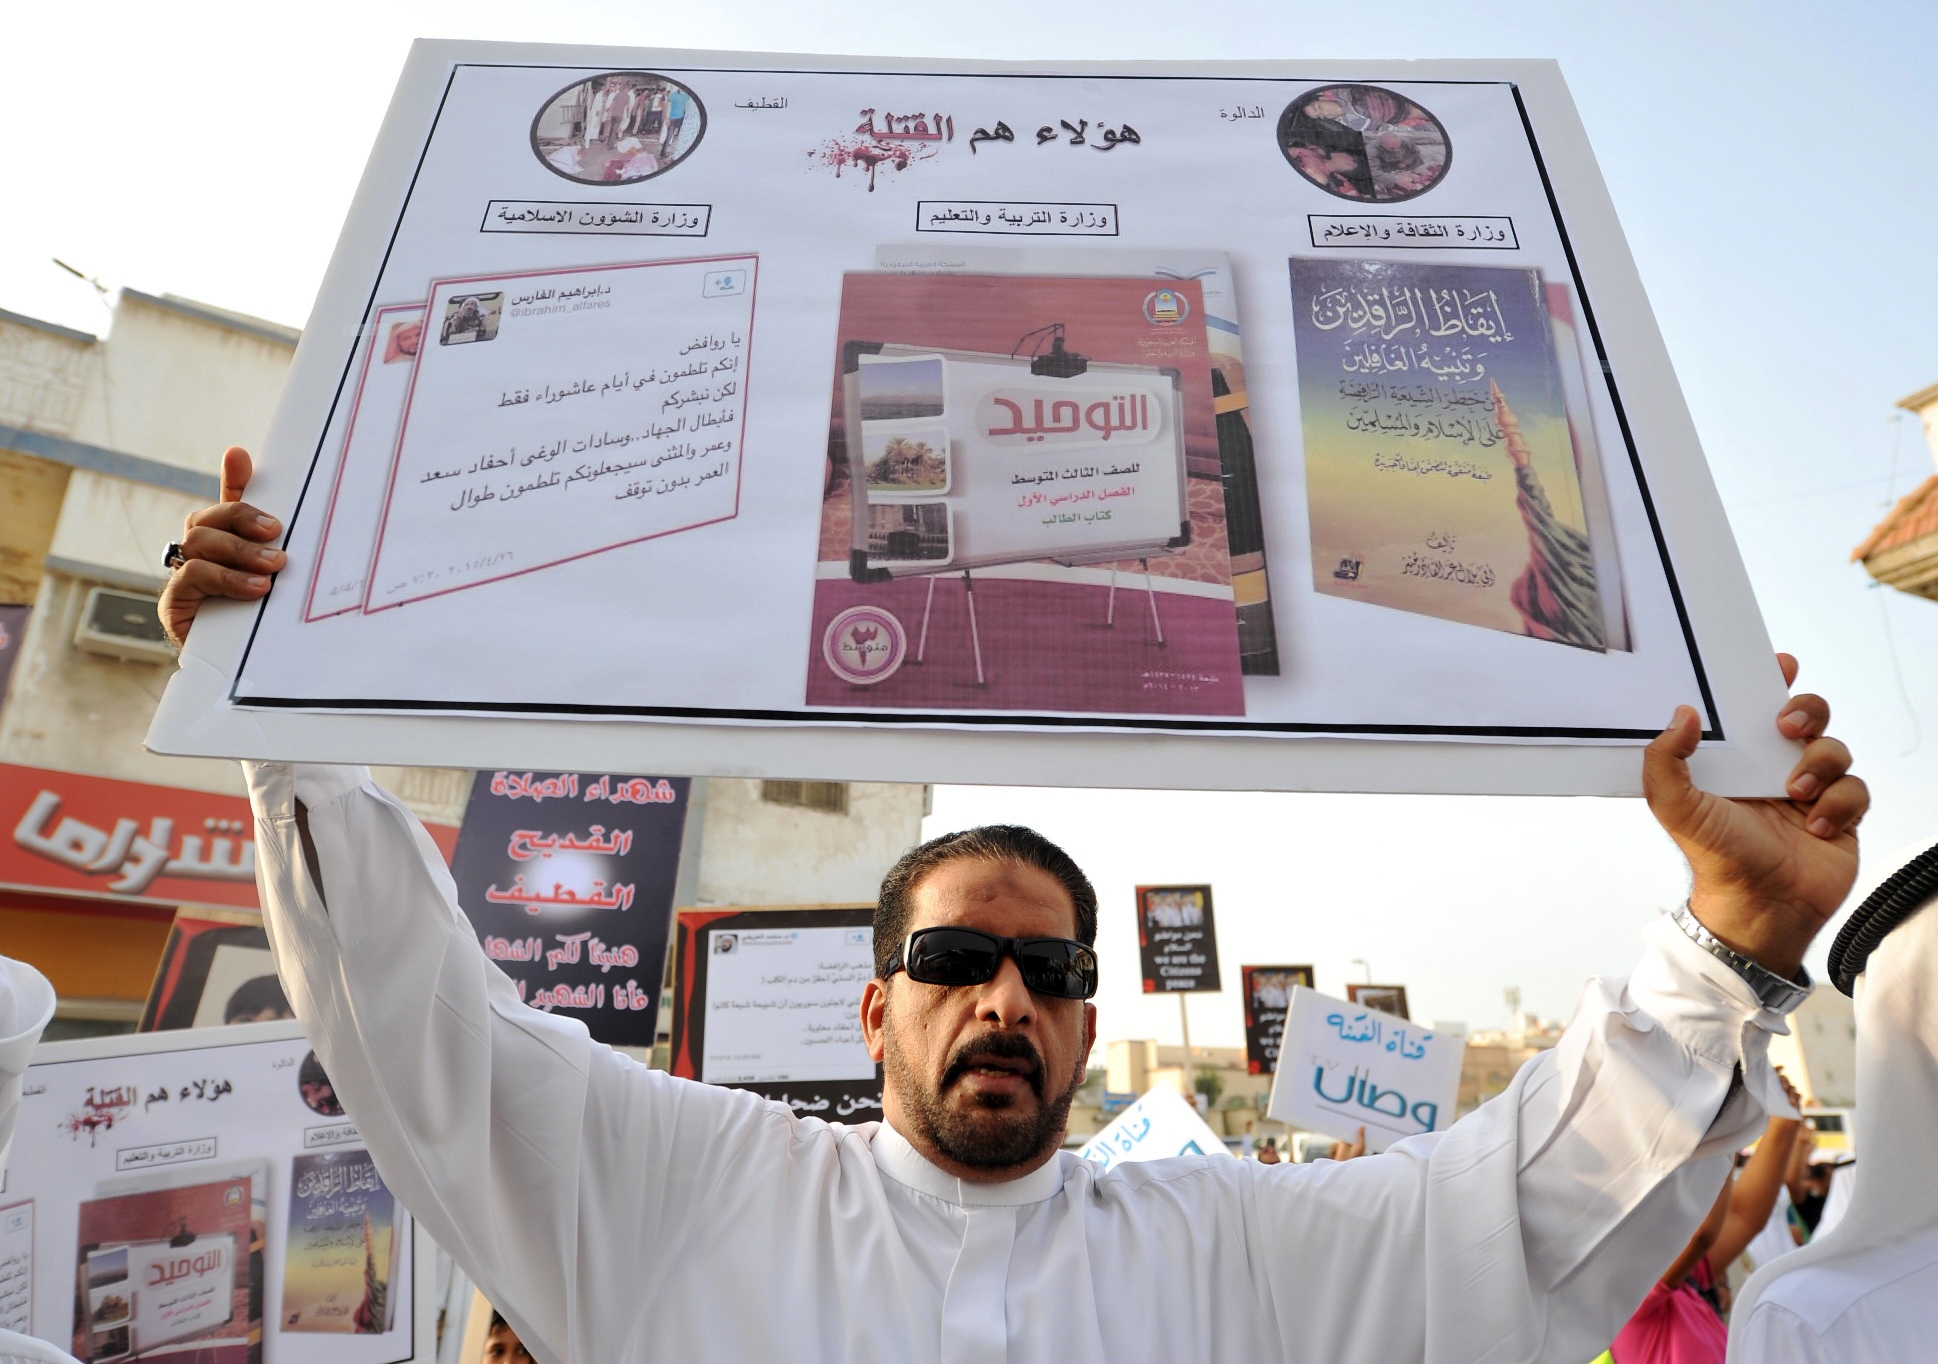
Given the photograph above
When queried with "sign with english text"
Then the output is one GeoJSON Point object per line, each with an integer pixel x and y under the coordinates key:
{"type": "Point", "coordinates": [1268, 994]}
{"type": "Point", "coordinates": [568, 879]}
{"type": "Point", "coordinates": [1344, 1066]}
{"type": "Point", "coordinates": [1176, 942]}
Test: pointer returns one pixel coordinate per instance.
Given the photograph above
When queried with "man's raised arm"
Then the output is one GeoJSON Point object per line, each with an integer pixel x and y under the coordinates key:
{"type": "Point", "coordinates": [559, 1174]}
{"type": "Point", "coordinates": [1533, 1227]}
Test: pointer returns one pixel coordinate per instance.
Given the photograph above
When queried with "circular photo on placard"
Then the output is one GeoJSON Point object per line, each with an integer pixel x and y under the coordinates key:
{"type": "Point", "coordinates": [315, 1087]}
{"type": "Point", "coordinates": [1364, 143]}
{"type": "Point", "coordinates": [619, 128]}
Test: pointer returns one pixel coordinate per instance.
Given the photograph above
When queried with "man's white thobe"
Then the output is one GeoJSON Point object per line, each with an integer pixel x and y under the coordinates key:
{"type": "Point", "coordinates": [1865, 1287]}
{"type": "Point", "coordinates": [615, 1213]}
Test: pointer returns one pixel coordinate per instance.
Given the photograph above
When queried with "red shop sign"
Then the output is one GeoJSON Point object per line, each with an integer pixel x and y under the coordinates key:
{"type": "Point", "coordinates": [69, 834]}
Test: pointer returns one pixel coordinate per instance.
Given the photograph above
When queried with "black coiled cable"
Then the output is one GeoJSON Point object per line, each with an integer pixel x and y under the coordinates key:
{"type": "Point", "coordinates": [1901, 895]}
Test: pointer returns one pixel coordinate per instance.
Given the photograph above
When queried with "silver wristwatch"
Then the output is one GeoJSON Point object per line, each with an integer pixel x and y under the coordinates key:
{"type": "Point", "coordinates": [1774, 992]}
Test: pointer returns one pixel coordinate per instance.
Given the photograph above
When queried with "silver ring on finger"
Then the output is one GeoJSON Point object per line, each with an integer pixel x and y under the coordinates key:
{"type": "Point", "coordinates": [172, 556]}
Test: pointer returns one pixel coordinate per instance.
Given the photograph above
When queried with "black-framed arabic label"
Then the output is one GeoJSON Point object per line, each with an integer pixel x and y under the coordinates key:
{"type": "Point", "coordinates": [1028, 443]}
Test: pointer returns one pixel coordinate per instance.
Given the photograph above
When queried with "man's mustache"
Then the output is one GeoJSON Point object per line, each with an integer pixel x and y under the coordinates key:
{"type": "Point", "coordinates": [1005, 1046]}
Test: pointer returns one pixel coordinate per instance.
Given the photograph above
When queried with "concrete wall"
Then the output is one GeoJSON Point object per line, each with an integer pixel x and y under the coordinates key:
{"type": "Point", "coordinates": [1820, 1054]}
{"type": "Point", "coordinates": [754, 852]}
{"type": "Point", "coordinates": [44, 373]}
{"type": "Point", "coordinates": [180, 381]}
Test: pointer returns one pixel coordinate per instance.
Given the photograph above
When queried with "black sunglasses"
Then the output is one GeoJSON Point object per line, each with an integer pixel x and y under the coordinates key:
{"type": "Point", "coordinates": [1057, 967]}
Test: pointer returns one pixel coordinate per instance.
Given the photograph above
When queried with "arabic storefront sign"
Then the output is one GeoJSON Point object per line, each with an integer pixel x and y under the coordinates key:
{"type": "Point", "coordinates": [770, 1000]}
{"type": "Point", "coordinates": [71, 834]}
{"type": "Point", "coordinates": [1268, 994]}
{"type": "Point", "coordinates": [1176, 943]}
{"type": "Point", "coordinates": [1345, 1066]}
{"type": "Point", "coordinates": [568, 879]}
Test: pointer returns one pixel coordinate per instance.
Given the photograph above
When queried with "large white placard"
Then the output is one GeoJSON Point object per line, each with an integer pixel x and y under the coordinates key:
{"type": "Point", "coordinates": [1343, 1067]}
{"type": "Point", "coordinates": [145, 1168]}
{"type": "Point", "coordinates": [1158, 1126]}
{"type": "Point", "coordinates": [1443, 523]}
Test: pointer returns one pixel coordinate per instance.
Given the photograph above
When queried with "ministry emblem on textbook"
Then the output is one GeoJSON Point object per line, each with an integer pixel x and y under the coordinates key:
{"type": "Point", "coordinates": [1166, 308]}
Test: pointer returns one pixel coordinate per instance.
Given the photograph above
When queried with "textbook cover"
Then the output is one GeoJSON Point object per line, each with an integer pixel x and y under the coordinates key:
{"type": "Point", "coordinates": [1440, 471]}
{"type": "Point", "coordinates": [341, 1246]}
{"type": "Point", "coordinates": [1237, 466]}
{"type": "Point", "coordinates": [169, 1273]}
{"type": "Point", "coordinates": [1023, 507]}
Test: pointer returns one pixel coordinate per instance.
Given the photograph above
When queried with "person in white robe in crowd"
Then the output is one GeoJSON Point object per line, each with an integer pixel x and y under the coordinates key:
{"type": "Point", "coordinates": [26, 1005]}
{"type": "Point", "coordinates": [1866, 1286]}
{"type": "Point", "coordinates": [615, 1213]}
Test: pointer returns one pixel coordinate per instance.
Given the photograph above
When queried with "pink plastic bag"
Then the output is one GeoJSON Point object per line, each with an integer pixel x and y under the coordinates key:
{"type": "Point", "coordinates": [1674, 1326]}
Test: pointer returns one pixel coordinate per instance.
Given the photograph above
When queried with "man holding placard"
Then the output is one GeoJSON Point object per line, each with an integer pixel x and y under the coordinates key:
{"type": "Point", "coordinates": [612, 1211]}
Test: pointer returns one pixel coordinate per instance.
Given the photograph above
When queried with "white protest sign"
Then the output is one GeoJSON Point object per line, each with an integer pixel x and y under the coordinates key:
{"type": "Point", "coordinates": [1158, 1126]}
{"type": "Point", "coordinates": [1434, 546]}
{"type": "Point", "coordinates": [782, 1005]}
{"type": "Point", "coordinates": [1342, 1067]}
{"type": "Point", "coordinates": [156, 1181]}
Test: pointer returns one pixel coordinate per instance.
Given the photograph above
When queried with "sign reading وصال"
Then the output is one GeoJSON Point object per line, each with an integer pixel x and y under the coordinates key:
{"type": "Point", "coordinates": [1342, 1067]}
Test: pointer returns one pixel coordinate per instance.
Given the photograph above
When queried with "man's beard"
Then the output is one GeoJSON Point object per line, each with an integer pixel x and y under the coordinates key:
{"type": "Point", "coordinates": [987, 1133]}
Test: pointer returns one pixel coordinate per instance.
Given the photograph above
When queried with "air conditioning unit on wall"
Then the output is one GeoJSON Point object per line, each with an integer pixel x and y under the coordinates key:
{"type": "Point", "coordinates": [122, 625]}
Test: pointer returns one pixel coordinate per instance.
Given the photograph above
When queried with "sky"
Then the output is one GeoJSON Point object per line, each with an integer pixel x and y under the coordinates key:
{"type": "Point", "coordinates": [1770, 164]}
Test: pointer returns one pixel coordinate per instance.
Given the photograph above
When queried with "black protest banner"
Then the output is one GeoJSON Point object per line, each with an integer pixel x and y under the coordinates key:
{"type": "Point", "coordinates": [1176, 943]}
{"type": "Point", "coordinates": [1268, 993]}
{"type": "Point", "coordinates": [568, 879]}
